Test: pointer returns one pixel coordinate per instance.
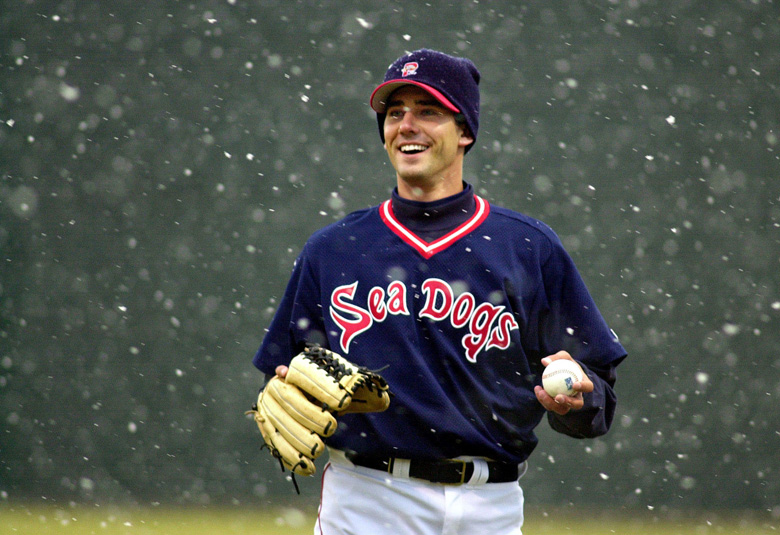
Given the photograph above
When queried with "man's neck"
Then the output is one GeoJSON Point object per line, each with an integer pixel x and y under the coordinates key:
{"type": "Point", "coordinates": [429, 192]}
{"type": "Point", "coordinates": [431, 220]}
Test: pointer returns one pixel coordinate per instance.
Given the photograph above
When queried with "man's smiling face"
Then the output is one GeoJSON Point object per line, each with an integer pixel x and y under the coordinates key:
{"type": "Point", "coordinates": [424, 142]}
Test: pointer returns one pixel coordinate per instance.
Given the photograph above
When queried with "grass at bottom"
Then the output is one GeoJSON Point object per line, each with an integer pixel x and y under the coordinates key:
{"type": "Point", "coordinates": [550, 521]}
{"type": "Point", "coordinates": [111, 520]}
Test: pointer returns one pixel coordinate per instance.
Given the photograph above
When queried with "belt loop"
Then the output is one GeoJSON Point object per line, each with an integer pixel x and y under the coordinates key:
{"type": "Point", "coordinates": [522, 469]}
{"type": "Point", "coordinates": [480, 474]}
{"type": "Point", "coordinates": [400, 468]}
{"type": "Point", "coordinates": [462, 470]}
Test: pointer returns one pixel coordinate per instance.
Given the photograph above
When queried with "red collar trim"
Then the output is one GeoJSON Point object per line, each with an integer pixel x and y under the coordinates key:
{"type": "Point", "coordinates": [426, 249]}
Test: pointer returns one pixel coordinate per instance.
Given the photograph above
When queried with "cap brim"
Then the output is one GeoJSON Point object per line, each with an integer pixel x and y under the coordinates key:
{"type": "Point", "coordinates": [382, 93]}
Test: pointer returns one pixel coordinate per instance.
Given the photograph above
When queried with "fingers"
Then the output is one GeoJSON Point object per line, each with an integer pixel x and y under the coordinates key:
{"type": "Point", "coordinates": [585, 386]}
{"type": "Point", "coordinates": [560, 404]}
{"type": "Point", "coordinates": [281, 371]}
{"type": "Point", "coordinates": [557, 356]}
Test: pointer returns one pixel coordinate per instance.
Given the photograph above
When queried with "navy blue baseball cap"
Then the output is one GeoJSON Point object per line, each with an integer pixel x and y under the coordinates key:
{"type": "Point", "coordinates": [453, 81]}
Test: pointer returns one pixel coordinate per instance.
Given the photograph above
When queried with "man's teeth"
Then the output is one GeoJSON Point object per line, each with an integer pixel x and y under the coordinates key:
{"type": "Point", "coordinates": [413, 148]}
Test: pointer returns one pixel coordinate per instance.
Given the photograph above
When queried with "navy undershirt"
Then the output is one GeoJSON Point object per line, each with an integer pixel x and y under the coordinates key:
{"type": "Point", "coordinates": [432, 220]}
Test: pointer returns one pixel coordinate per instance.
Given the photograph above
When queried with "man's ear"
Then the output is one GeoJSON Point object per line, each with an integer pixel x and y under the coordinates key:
{"type": "Point", "coordinates": [466, 138]}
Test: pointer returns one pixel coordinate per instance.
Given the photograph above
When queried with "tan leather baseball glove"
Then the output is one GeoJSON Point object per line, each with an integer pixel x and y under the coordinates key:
{"type": "Point", "coordinates": [294, 414]}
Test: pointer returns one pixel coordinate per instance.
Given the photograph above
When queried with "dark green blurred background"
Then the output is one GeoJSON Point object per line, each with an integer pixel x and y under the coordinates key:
{"type": "Point", "coordinates": [162, 163]}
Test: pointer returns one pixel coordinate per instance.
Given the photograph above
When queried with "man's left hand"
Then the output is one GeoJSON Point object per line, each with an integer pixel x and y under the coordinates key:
{"type": "Point", "coordinates": [562, 404]}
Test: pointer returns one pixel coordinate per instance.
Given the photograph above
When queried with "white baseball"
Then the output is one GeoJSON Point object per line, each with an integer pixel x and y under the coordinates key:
{"type": "Point", "coordinates": [558, 377]}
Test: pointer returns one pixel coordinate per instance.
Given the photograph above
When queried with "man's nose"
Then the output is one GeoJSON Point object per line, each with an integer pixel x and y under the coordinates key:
{"type": "Point", "coordinates": [408, 122]}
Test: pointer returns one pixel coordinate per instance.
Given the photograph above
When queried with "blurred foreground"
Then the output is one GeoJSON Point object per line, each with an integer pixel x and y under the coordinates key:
{"type": "Point", "coordinates": [67, 520]}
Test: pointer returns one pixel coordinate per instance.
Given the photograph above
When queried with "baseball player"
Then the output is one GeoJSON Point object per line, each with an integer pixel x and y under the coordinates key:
{"type": "Point", "coordinates": [459, 304]}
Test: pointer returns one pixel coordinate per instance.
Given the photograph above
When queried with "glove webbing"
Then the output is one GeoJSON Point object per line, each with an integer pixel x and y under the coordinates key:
{"type": "Point", "coordinates": [323, 359]}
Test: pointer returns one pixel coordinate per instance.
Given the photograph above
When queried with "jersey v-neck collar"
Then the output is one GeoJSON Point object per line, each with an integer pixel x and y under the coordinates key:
{"type": "Point", "coordinates": [428, 249]}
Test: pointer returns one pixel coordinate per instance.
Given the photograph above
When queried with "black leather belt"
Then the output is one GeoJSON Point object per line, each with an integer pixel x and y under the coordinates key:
{"type": "Point", "coordinates": [450, 471]}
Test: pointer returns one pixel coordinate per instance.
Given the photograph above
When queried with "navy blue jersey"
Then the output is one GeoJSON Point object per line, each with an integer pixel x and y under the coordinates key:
{"type": "Point", "coordinates": [458, 326]}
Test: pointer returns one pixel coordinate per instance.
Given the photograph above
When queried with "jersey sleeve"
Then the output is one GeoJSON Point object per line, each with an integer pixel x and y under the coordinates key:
{"type": "Point", "coordinates": [595, 417]}
{"type": "Point", "coordinates": [298, 319]}
{"type": "Point", "coordinates": [572, 322]}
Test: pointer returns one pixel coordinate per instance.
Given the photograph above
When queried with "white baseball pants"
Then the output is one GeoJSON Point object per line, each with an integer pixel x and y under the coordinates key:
{"type": "Point", "coordinates": [357, 500]}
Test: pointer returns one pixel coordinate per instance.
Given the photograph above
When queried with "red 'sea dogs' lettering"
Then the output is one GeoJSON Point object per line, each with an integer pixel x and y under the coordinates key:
{"type": "Point", "coordinates": [356, 321]}
{"type": "Point", "coordinates": [353, 319]}
{"type": "Point", "coordinates": [489, 326]}
{"type": "Point", "coordinates": [381, 304]}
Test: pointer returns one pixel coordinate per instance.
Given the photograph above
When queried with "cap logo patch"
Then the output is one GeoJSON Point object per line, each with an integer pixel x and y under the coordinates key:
{"type": "Point", "coordinates": [409, 69]}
